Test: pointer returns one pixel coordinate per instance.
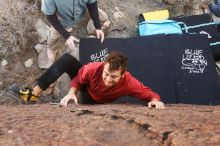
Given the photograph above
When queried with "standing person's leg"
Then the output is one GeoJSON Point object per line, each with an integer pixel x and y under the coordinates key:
{"type": "Point", "coordinates": [53, 36]}
{"type": "Point", "coordinates": [52, 43]}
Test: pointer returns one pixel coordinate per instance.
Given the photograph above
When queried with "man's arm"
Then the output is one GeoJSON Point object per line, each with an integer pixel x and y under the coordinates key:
{"type": "Point", "coordinates": [71, 95]}
{"type": "Point", "coordinates": [58, 26]}
{"type": "Point", "coordinates": [81, 79]}
{"type": "Point", "coordinates": [49, 8]}
{"type": "Point", "coordinates": [144, 93]}
{"type": "Point", "coordinates": [94, 14]}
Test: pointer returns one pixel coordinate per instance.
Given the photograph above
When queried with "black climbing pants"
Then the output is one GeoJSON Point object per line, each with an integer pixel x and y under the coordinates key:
{"type": "Point", "coordinates": [65, 64]}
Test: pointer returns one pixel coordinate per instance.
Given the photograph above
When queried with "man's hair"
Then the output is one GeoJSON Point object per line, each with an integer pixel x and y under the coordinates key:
{"type": "Point", "coordinates": [117, 61]}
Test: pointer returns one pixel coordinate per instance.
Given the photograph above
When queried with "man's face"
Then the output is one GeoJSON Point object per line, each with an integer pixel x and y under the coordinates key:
{"type": "Point", "coordinates": [111, 78]}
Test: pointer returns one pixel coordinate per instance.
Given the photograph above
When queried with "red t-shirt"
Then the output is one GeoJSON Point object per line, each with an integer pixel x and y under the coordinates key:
{"type": "Point", "coordinates": [90, 75]}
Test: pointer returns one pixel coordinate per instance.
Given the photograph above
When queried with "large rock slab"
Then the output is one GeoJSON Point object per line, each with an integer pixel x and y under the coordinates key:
{"type": "Point", "coordinates": [110, 124]}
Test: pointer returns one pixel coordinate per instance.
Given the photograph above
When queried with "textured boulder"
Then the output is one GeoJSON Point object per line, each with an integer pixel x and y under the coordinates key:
{"type": "Point", "coordinates": [42, 30]}
{"type": "Point", "coordinates": [110, 124]}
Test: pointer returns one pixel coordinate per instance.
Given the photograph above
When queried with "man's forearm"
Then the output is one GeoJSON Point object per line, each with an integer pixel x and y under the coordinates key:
{"type": "Point", "coordinates": [155, 99]}
{"type": "Point", "coordinates": [73, 91]}
{"type": "Point", "coordinates": [94, 14]}
{"type": "Point", "coordinates": [58, 26]}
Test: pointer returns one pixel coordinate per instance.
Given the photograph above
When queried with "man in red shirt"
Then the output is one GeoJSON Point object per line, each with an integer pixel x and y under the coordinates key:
{"type": "Point", "coordinates": [100, 82]}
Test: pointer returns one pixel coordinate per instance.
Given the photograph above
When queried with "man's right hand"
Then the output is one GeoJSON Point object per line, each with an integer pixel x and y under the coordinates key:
{"type": "Point", "coordinates": [70, 42]}
{"type": "Point", "coordinates": [155, 103]}
{"type": "Point", "coordinates": [65, 100]}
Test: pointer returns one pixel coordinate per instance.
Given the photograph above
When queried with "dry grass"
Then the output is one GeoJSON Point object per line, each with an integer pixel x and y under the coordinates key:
{"type": "Point", "coordinates": [16, 26]}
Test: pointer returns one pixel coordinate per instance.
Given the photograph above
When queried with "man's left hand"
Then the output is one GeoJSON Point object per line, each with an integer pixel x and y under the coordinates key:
{"type": "Point", "coordinates": [155, 103]}
{"type": "Point", "coordinates": [100, 34]}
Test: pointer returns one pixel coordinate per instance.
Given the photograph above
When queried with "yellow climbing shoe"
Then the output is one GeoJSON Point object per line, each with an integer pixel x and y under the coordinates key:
{"type": "Point", "coordinates": [25, 94]}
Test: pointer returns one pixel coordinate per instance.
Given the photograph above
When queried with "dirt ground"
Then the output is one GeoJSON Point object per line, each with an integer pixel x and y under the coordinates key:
{"type": "Point", "coordinates": [111, 124]}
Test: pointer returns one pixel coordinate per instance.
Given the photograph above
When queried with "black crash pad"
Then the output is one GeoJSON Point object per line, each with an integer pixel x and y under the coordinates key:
{"type": "Point", "coordinates": [178, 67]}
{"type": "Point", "coordinates": [212, 30]}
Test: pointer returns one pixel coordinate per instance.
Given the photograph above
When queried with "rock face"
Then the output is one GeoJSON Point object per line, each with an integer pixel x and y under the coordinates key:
{"type": "Point", "coordinates": [112, 124]}
{"type": "Point", "coordinates": [4, 62]}
{"type": "Point", "coordinates": [42, 30]}
{"type": "Point", "coordinates": [28, 63]}
{"type": "Point", "coordinates": [43, 61]}
{"type": "Point", "coordinates": [187, 7]}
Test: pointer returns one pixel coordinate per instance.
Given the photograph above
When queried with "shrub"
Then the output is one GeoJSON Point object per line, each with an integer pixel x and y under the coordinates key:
{"type": "Point", "coordinates": [17, 19]}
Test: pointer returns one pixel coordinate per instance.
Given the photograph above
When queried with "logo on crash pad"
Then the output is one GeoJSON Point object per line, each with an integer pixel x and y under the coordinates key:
{"type": "Point", "coordinates": [99, 56]}
{"type": "Point", "coordinates": [194, 61]}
